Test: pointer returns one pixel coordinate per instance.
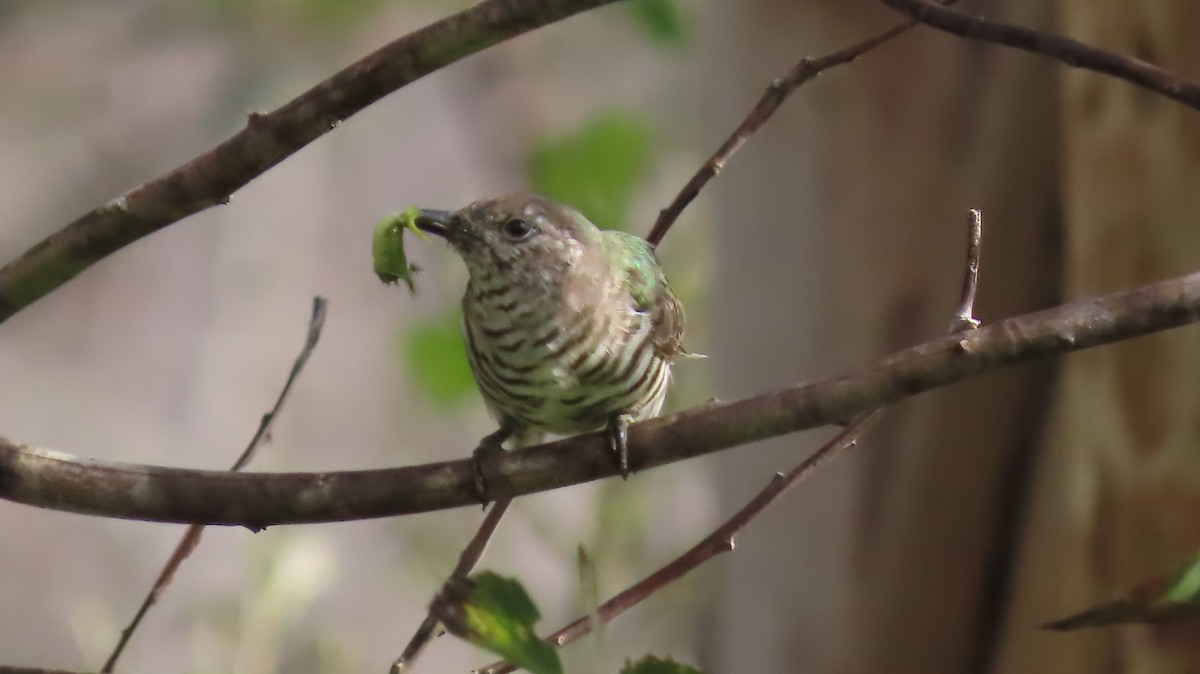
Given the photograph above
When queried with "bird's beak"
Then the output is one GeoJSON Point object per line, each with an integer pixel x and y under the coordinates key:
{"type": "Point", "coordinates": [435, 222]}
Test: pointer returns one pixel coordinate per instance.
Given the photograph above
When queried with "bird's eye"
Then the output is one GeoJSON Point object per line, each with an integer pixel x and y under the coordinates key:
{"type": "Point", "coordinates": [517, 229]}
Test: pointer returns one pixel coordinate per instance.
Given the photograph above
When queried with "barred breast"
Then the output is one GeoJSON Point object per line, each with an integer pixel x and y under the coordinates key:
{"type": "Point", "coordinates": [550, 368]}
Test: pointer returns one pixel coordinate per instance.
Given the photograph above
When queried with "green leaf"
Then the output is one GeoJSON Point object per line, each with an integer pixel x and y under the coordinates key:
{"type": "Point", "coordinates": [655, 665]}
{"type": "Point", "coordinates": [1169, 598]}
{"type": "Point", "coordinates": [387, 248]}
{"type": "Point", "coordinates": [499, 615]}
{"type": "Point", "coordinates": [594, 170]}
{"type": "Point", "coordinates": [660, 19]}
{"type": "Point", "coordinates": [437, 359]}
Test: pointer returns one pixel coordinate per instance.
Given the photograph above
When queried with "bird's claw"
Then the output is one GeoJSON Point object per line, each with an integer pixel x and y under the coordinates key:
{"type": "Point", "coordinates": [488, 447]}
{"type": "Point", "coordinates": [618, 442]}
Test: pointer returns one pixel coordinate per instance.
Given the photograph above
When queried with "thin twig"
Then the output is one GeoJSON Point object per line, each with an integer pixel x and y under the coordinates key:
{"type": "Point", "coordinates": [1058, 47]}
{"type": "Point", "coordinates": [191, 538]}
{"type": "Point", "coordinates": [719, 541]}
{"type": "Point", "coordinates": [467, 560]}
{"type": "Point", "coordinates": [964, 318]}
{"type": "Point", "coordinates": [267, 139]}
{"type": "Point", "coordinates": [777, 92]}
{"type": "Point", "coordinates": [56, 480]}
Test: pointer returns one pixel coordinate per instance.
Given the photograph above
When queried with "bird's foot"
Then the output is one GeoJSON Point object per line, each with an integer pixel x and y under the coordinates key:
{"type": "Point", "coordinates": [618, 441]}
{"type": "Point", "coordinates": [488, 447]}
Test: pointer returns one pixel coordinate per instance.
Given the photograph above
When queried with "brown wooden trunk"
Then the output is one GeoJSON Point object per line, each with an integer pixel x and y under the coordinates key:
{"type": "Point", "coordinates": [1118, 497]}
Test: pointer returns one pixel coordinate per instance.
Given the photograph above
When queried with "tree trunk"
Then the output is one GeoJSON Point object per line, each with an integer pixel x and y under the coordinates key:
{"type": "Point", "coordinates": [1118, 494]}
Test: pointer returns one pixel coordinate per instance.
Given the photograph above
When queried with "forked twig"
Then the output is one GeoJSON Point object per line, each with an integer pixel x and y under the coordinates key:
{"type": "Point", "coordinates": [191, 538]}
{"type": "Point", "coordinates": [467, 560]}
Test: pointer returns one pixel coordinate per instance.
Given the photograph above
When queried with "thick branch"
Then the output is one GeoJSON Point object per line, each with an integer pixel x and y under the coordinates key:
{"type": "Point", "coordinates": [1057, 47]}
{"type": "Point", "coordinates": [267, 139]}
{"type": "Point", "coordinates": [55, 480]}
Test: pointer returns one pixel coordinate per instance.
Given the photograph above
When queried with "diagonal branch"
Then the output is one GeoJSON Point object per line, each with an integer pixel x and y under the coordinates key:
{"type": "Point", "coordinates": [719, 541]}
{"type": "Point", "coordinates": [55, 480]}
{"type": "Point", "coordinates": [191, 537]}
{"type": "Point", "coordinates": [1058, 47]}
{"type": "Point", "coordinates": [266, 140]}
{"type": "Point", "coordinates": [467, 560]}
{"type": "Point", "coordinates": [778, 91]}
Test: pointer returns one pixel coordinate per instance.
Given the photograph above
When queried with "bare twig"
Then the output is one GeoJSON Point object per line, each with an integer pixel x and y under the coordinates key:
{"type": "Point", "coordinates": [266, 140]}
{"type": "Point", "coordinates": [777, 92]}
{"type": "Point", "coordinates": [467, 560]}
{"type": "Point", "coordinates": [719, 541]}
{"type": "Point", "coordinates": [191, 538]}
{"type": "Point", "coordinates": [964, 318]}
{"type": "Point", "coordinates": [55, 480]}
{"type": "Point", "coordinates": [1058, 47]}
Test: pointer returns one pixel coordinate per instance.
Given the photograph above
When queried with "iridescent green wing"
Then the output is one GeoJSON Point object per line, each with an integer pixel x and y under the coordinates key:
{"type": "Point", "coordinates": [651, 294]}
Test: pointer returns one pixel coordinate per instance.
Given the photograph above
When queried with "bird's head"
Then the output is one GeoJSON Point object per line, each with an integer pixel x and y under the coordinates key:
{"type": "Point", "coordinates": [516, 234]}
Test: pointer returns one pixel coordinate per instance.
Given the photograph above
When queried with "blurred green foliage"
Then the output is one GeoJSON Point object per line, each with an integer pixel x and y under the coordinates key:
{"type": "Point", "coordinates": [595, 169]}
{"type": "Point", "coordinates": [499, 616]}
{"type": "Point", "coordinates": [655, 665]}
{"type": "Point", "coordinates": [322, 14]}
{"type": "Point", "coordinates": [437, 359]}
{"type": "Point", "coordinates": [660, 19]}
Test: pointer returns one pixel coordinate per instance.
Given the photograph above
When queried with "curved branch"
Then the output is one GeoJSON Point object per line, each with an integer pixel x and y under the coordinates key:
{"type": "Point", "coordinates": [266, 140]}
{"type": "Point", "coordinates": [56, 480]}
{"type": "Point", "coordinates": [1058, 47]}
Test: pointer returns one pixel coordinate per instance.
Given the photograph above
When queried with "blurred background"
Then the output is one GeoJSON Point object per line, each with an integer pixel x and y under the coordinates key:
{"type": "Point", "coordinates": [969, 517]}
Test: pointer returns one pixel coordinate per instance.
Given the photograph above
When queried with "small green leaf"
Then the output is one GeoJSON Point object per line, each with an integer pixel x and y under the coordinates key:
{"type": "Point", "coordinates": [499, 615]}
{"type": "Point", "coordinates": [655, 665]}
{"type": "Point", "coordinates": [660, 19]}
{"type": "Point", "coordinates": [387, 248]}
{"type": "Point", "coordinates": [437, 359]}
{"type": "Point", "coordinates": [1170, 598]}
{"type": "Point", "coordinates": [594, 170]}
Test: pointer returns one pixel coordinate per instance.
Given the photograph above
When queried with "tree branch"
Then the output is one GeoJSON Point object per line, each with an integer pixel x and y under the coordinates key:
{"type": "Point", "coordinates": [55, 480]}
{"type": "Point", "coordinates": [1058, 47]}
{"type": "Point", "coordinates": [267, 139]}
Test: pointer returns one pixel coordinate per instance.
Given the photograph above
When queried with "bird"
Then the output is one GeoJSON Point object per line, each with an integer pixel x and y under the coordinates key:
{"type": "Point", "coordinates": [569, 328]}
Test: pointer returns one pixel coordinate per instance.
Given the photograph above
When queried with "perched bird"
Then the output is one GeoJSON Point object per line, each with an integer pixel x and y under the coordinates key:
{"type": "Point", "coordinates": [569, 328]}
